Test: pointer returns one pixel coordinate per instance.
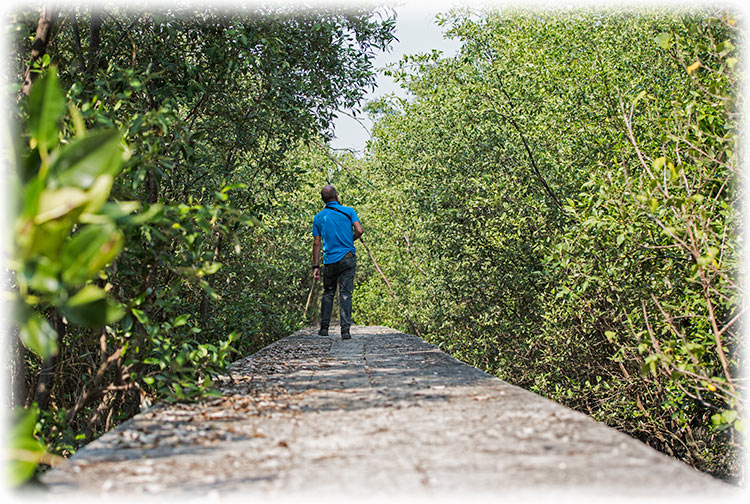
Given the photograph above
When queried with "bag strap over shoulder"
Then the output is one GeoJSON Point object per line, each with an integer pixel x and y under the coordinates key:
{"type": "Point", "coordinates": [339, 211]}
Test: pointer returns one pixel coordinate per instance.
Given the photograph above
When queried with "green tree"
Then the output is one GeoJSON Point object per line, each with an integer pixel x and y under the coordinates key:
{"type": "Point", "coordinates": [213, 107]}
{"type": "Point", "coordinates": [570, 191]}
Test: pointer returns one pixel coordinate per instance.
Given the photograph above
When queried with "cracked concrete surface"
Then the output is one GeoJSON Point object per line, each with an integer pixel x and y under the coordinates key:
{"type": "Point", "coordinates": [382, 414]}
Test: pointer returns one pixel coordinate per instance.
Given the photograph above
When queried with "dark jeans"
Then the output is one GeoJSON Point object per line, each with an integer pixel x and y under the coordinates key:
{"type": "Point", "coordinates": [341, 272]}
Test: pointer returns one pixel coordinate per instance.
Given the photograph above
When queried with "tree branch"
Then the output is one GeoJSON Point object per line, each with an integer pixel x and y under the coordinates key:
{"type": "Point", "coordinates": [44, 26]}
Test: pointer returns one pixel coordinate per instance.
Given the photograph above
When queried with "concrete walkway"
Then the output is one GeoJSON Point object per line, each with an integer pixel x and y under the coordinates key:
{"type": "Point", "coordinates": [382, 414]}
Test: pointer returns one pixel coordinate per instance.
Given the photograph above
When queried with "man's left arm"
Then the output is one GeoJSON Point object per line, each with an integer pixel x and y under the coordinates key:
{"type": "Point", "coordinates": [358, 230]}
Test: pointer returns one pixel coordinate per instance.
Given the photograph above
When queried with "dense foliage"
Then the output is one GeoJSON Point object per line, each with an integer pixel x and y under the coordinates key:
{"type": "Point", "coordinates": [560, 205]}
{"type": "Point", "coordinates": [154, 176]}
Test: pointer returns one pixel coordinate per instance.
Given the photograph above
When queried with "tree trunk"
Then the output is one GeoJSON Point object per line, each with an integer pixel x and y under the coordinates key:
{"type": "Point", "coordinates": [152, 187]}
{"type": "Point", "coordinates": [17, 354]}
{"type": "Point", "coordinates": [77, 41]}
{"type": "Point", "coordinates": [95, 33]}
{"type": "Point", "coordinates": [39, 47]}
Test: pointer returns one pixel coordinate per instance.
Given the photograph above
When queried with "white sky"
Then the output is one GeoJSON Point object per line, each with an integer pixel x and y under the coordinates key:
{"type": "Point", "coordinates": [416, 32]}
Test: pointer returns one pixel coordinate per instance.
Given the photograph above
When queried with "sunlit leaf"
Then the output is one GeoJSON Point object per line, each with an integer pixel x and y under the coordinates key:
{"type": "Point", "coordinates": [38, 336]}
{"type": "Point", "coordinates": [88, 251]}
{"type": "Point", "coordinates": [85, 159]}
{"type": "Point", "coordinates": [663, 40]}
{"type": "Point", "coordinates": [46, 107]}
{"type": "Point", "coordinates": [692, 68]}
{"type": "Point", "coordinates": [24, 450]}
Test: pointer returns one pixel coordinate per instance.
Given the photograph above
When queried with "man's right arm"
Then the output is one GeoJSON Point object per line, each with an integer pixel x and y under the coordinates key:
{"type": "Point", "coordinates": [316, 257]}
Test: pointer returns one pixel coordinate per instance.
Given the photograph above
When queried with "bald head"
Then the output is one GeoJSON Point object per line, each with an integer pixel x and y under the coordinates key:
{"type": "Point", "coordinates": [328, 193]}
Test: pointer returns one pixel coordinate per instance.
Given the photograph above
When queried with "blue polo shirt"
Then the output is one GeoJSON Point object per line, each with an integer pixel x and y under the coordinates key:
{"type": "Point", "coordinates": [335, 229]}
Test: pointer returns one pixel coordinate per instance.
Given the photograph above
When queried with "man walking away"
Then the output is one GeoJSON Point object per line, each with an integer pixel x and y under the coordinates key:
{"type": "Point", "coordinates": [333, 225]}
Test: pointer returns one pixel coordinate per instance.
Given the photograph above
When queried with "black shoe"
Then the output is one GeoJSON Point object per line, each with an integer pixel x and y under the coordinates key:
{"type": "Point", "coordinates": [323, 331]}
{"type": "Point", "coordinates": [345, 335]}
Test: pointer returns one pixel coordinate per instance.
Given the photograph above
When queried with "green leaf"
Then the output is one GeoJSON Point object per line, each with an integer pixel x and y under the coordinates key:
{"type": "Point", "coordinates": [44, 275]}
{"type": "Point", "coordinates": [119, 210]}
{"type": "Point", "coordinates": [140, 315]}
{"type": "Point", "coordinates": [46, 107]}
{"type": "Point", "coordinates": [57, 203]}
{"type": "Point", "coordinates": [89, 251]}
{"type": "Point", "coordinates": [663, 40]}
{"type": "Point", "coordinates": [725, 48]}
{"type": "Point", "coordinates": [233, 186]}
{"type": "Point", "coordinates": [97, 196]}
{"type": "Point", "coordinates": [178, 390]}
{"type": "Point", "coordinates": [25, 450]}
{"type": "Point", "coordinates": [91, 307]}
{"type": "Point", "coordinates": [639, 97]}
{"type": "Point", "coordinates": [38, 336]}
{"type": "Point", "coordinates": [739, 425]}
{"type": "Point", "coordinates": [729, 416]}
{"type": "Point", "coordinates": [208, 268]}
{"type": "Point", "coordinates": [31, 197]}
{"type": "Point", "coordinates": [84, 160]}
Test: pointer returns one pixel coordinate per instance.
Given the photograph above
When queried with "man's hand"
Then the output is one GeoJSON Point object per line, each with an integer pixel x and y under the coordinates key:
{"type": "Point", "coordinates": [316, 274]}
